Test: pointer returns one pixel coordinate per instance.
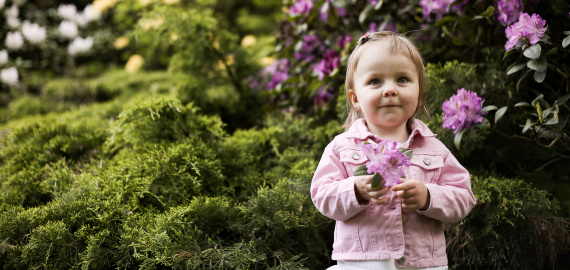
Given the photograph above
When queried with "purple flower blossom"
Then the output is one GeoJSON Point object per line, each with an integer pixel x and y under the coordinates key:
{"type": "Point", "coordinates": [386, 160]}
{"type": "Point", "coordinates": [301, 7]}
{"type": "Point", "coordinates": [439, 8]}
{"type": "Point", "coordinates": [324, 94]}
{"type": "Point", "coordinates": [373, 2]}
{"type": "Point", "coordinates": [343, 41]}
{"type": "Point", "coordinates": [507, 11]}
{"type": "Point", "coordinates": [327, 65]}
{"type": "Point", "coordinates": [462, 110]}
{"type": "Point", "coordinates": [275, 73]}
{"type": "Point", "coordinates": [529, 28]}
{"type": "Point", "coordinates": [309, 44]}
{"type": "Point", "coordinates": [372, 27]}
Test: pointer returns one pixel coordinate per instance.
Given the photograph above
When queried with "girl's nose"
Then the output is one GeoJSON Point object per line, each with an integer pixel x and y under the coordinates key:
{"type": "Point", "coordinates": [390, 91]}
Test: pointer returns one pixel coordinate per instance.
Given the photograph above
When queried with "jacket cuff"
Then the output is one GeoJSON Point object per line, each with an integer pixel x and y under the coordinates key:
{"type": "Point", "coordinates": [430, 202]}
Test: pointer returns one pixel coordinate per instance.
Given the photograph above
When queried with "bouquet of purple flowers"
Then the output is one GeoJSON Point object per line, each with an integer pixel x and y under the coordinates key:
{"type": "Point", "coordinates": [386, 162]}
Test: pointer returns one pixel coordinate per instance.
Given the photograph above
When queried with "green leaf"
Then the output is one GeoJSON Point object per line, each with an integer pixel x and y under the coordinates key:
{"type": "Point", "coordinates": [539, 76]}
{"type": "Point", "coordinates": [566, 42]}
{"type": "Point", "coordinates": [550, 134]}
{"type": "Point", "coordinates": [528, 125]}
{"type": "Point", "coordinates": [489, 108]}
{"type": "Point", "coordinates": [457, 139]}
{"type": "Point", "coordinates": [552, 51]}
{"type": "Point", "coordinates": [547, 112]}
{"type": "Point", "coordinates": [539, 64]}
{"type": "Point", "coordinates": [522, 77]}
{"type": "Point", "coordinates": [378, 5]}
{"type": "Point", "coordinates": [561, 100]}
{"type": "Point", "coordinates": [376, 179]}
{"type": "Point", "coordinates": [487, 13]}
{"type": "Point", "coordinates": [533, 52]}
{"type": "Point", "coordinates": [445, 20]}
{"type": "Point", "coordinates": [523, 104]}
{"type": "Point", "coordinates": [552, 120]}
{"type": "Point", "coordinates": [408, 152]}
{"type": "Point", "coordinates": [567, 32]}
{"type": "Point", "coordinates": [515, 68]}
{"type": "Point", "coordinates": [361, 170]}
{"type": "Point", "coordinates": [509, 52]}
{"type": "Point", "coordinates": [364, 14]}
{"type": "Point", "coordinates": [499, 114]}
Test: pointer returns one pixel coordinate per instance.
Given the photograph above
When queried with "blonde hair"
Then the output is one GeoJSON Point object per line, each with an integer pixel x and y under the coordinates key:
{"type": "Point", "coordinates": [397, 43]}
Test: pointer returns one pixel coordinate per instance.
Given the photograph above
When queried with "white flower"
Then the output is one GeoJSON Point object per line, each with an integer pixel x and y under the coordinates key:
{"type": "Point", "coordinates": [80, 45]}
{"type": "Point", "coordinates": [13, 22]}
{"type": "Point", "coordinates": [91, 14]}
{"type": "Point", "coordinates": [14, 40]}
{"type": "Point", "coordinates": [68, 29]}
{"type": "Point", "coordinates": [33, 32]}
{"type": "Point", "coordinates": [9, 75]}
{"type": "Point", "coordinates": [67, 12]}
{"type": "Point", "coordinates": [3, 56]}
{"type": "Point", "coordinates": [12, 12]}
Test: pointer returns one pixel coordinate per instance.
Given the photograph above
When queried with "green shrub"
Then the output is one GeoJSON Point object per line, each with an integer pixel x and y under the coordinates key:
{"type": "Point", "coordinates": [511, 227]}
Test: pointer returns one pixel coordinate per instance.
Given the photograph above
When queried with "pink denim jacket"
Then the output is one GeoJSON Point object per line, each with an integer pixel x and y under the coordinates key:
{"type": "Point", "coordinates": [381, 232]}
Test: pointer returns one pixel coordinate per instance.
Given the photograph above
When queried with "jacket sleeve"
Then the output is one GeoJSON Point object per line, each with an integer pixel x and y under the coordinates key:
{"type": "Point", "coordinates": [332, 190]}
{"type": "Point", "coordinates": [451, 197]}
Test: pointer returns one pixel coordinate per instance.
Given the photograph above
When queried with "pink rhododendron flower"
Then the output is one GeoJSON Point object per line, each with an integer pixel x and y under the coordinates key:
{"type": "Point", "coordinates": [327, 65]}
{"type": "Point", "coordinates": [462, 110]}
{"type": "Point", "coordinates": [385, 159]}
{"type": "Point", "coordinates": [324, 94]}
{"type": "Point", "coordinates": [310, 42]}
{"type": "Point", "coordinates": [529, 28]}
{"type": "Point", "coordinates": [439, 8]}
{"type": "Point", "coordinates": [344, 40]}
{"type": "Point", "coordinates": [507, 11]}
{"type": "Point", "coordinates": [301, 7]}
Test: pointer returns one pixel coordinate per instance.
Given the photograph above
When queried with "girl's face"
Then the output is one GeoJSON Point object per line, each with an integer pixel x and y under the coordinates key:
{"type": "Point", "coordinates": [386, 88]}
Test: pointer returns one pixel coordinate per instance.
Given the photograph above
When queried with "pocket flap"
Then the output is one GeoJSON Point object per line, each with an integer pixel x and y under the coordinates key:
{"type": "Point", "coordinates": [353, 156]}
{"type": "Point", "coordinates": [427, 162]}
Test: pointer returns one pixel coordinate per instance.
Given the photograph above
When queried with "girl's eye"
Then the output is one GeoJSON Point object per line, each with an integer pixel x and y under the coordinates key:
{"type": "Point", "coordinates": [375, 82]}
{"type": "Point", "coordinates": [402, 80]}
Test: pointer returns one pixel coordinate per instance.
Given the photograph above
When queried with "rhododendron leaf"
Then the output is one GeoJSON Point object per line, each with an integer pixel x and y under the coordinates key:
{"type": "Point", "coordinates": [561, 100]}
{"type": "Point", "coordinates": [489, 108]}
{"type": "Point", "coordinates": [533, 52]}
{"type": "Point", "coordinates": [566, 42]}
{"type": "Point", "coordinates": [486, 14]}
{"type": "Point", "coordinates": [528, 125]}
{"type": "Point", "coordinates": [522, 77]}
{"type": "Point", "coordinates": [539, 64]}
{"type": "Point", "coordinates": [500, 114]}
{"type": "Point", "coordinates": [457, 139]}
{"type": "Point", "coordinates": [552, 51]}
{"type": "Point", "coordinates": [376, 179]}
{"type": "Point", "coordinates": [509, 52]}
{"type": "Point", "coordinates": [361, 170]}
{"type": "Point", "coordinates": [525, 104]}
{"type": "Point", "coordinates": [515, 68]}
{"type": "Point", "coordinates": [378, 5]}
{"type": "Point", "coordinates": [408, 152]}
{"type": "Point", "coordinates": [539, 76]}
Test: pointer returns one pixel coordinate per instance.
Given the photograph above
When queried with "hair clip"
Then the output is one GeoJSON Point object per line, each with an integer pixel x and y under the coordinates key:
{"type": "Point", "coordinates": [364, 38]}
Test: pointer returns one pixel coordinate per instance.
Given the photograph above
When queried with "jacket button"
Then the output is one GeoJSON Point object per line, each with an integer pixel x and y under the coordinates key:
{"type": "Point", "coordinates": [355, 156]}
{"type": "Point", "coordinates": [427, 161]}
{"type": "Point", "coordinates": [402, 260]}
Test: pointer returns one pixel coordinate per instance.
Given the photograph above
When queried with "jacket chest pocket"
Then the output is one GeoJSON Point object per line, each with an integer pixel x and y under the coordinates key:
{"type": "Point", "coordinates": [352, 158]}
{"type": "Point", "coordinates": [426, 168]}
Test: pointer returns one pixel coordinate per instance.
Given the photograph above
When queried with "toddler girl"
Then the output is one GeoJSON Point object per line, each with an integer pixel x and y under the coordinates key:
{"type": "Point", "coordinates": [399, 227]}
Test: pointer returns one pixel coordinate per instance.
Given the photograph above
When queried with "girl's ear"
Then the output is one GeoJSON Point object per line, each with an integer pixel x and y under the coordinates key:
{"type": "Point", "coordinates": [352, 97]}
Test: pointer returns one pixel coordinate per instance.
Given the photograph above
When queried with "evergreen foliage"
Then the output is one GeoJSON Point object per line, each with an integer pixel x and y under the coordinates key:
{"type": "Point", "coordinates": [181, 165]}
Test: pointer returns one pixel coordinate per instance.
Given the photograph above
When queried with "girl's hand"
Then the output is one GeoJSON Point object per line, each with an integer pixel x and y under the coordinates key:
{"type": "Point", "coordinates": [414, 194]}
{"type": "Point", "coordinates": [364, 191]}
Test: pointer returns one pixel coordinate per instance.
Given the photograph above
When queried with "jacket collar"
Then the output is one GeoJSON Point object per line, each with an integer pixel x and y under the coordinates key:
{"type": "Point", "coordinates": [359, 130]}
